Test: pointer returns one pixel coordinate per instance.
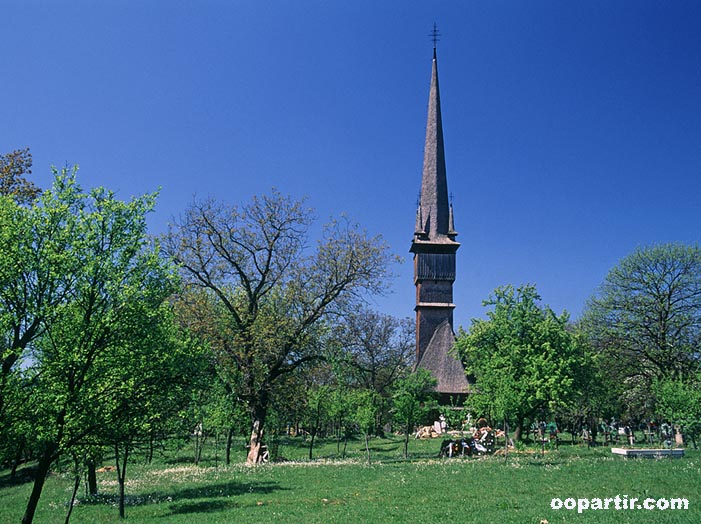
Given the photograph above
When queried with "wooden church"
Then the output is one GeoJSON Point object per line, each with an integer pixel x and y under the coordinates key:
{"type": "Point", "coordinates": [434, 248]}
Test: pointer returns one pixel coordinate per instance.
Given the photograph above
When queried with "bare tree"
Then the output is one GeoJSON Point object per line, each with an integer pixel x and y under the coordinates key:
{"type": "Point", "coordinates": [272, 292]}
{"type": "Point", "coordinates": [379, 348]}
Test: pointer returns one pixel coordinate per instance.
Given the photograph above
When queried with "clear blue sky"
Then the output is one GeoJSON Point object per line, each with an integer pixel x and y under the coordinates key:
{"type": "Point", "coordinates": [572, 129]}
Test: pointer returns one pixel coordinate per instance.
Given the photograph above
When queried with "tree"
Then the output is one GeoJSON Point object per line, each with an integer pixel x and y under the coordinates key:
{"type": "Point", "coordinates": [679, 402]}
{"type": "Point", "coordinates": [341, 410]}
{"type": "Point", "coordinates": [272, 295]}
{"type": "Point", "coordinates": [379, 349]}
{"type": "Point", "coordinates": [645, 320]}
{"type": "Point", "coordinates": [13, 167]}
{"type": "Point", "coordinates": [37, 274]}
{"type": "Point", "coordinates": [373, 351]}
{"type": "Point", "coordinates": [317, 411]}
{"type": "Point", "coordinates": [365, 406]}
{"type": "Point", "coordinates": [118, 284]}
{"type": "Point", "coordinates": [37, 270]}
{"type": "Point", "coordinates": [523, 358]}
{"type": "Point", "coordinates": [151, 387]}
{"type": "Point", "coordinates": [649, 310]}
{"type": "Point", "coordinates": [411, 401]}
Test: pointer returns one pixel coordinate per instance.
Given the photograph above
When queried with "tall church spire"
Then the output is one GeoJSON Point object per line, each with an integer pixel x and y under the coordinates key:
{"type": "Point", "coordinates": [434, 249]}
{"type": "Point", "coordinates": [434, 206]}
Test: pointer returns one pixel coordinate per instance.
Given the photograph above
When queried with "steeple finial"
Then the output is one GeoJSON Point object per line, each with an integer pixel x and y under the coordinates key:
{"type": "Point", "coordinates": [435, 37]}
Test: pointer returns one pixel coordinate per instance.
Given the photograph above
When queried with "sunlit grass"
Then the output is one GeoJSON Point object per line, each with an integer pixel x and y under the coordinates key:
{"type": "Point", "coordinates": [517, 489]}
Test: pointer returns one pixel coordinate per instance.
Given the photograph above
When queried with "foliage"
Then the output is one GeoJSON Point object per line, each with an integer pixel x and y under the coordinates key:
{"type": "Point", "coordinates": [268, 296]}
{"type": "Point", "coordinates": [645, 321]}
{"type": "Point", "coordinates": [523, 358]}
{"type": "Point", "coordinates": [679, 402]}
{"type": "Point", "coordinates": [341, 413]}
{"type": "Point", "coordinates": [13, 167]}
{"type": "Point", "coordinates": [365, 409]}
{"type": "Point", "coordinates": [316, 412]}
{"type": "Point", "coordinates": [83, 311]}
{"type": "Point", "coordinates": [37, 270]}
{"type": "Point", "coordinates": [412, 401]}
{"type": "Point", "coordinates": [648, 312]}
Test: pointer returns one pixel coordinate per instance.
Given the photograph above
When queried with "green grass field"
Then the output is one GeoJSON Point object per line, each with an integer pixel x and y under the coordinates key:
{"type": "Point", "coordinates": [423, 489]}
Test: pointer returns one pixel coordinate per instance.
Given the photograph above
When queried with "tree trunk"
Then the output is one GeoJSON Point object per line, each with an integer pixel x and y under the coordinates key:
{"type": "Point", "coordinates": [517, 430]}
{"type": "Point", "coordinates": [92, 477]}
{"type": "Point", "coordinates": [406, 442]}
{"type": "Point", "coordinates": [594, 430]}
{"type": "Point", "coordinates": [121, 472]}
{"type": "Point", "coordinates": [149, 457]}
{"type": "Point", "coordinates": [229, 440]}
{"type": "Point", "coordinates": [311, 445]}
{"type": "Point", "coordinates": [367, 446]}
{"type": "Point", "coordinates": [259, 411]}
{"type": "Point", "coordinates": [338, 438]}
{"type": "Point", "coordinates": [18, 459]}
{"type": "Point", "coordinates": [76, 484]}
{"type": "Point", "coordinates": [47, 457]}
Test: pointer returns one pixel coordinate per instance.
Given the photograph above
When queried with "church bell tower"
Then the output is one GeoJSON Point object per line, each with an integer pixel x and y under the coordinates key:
{"type": "Point", "coordinates": [434, 248]}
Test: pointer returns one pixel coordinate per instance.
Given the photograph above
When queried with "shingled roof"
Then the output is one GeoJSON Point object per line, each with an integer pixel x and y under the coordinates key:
{"type": "Point", "coordinates": [445, 367]}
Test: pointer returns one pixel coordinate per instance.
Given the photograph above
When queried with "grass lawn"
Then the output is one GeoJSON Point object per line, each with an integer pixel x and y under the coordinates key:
{"type": "Point", "coordinates": [423, 489]}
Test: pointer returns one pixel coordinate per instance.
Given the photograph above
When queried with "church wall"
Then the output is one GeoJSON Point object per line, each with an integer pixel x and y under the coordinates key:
{"type": "Point", "coordinates": [434, 291]}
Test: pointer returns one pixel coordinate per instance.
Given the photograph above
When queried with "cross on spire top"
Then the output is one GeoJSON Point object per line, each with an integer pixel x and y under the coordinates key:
{"type": "Point", "coordinates": [435, 35]}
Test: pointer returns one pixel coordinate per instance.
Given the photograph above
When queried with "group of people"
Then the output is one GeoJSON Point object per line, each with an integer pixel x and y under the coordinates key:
{"type": "Point", "coordinates": [482, 442]}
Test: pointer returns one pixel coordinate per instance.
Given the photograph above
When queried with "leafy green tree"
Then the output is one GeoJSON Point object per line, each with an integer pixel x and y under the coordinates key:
{"type": "Point", "coordinates": [365, 404]}
{"type": "Point", "coordinates": [523, 357]}
{"type": "Point", "coordinates": [412, 401]}
{"type": "Point", "coordinates": [645, 320]}
{"type": "Point", "coordinates": [152, 372]}
{"type": "Point", "coordinates": [37, 271]}
{"type": "Point", "coordinates": [16, 330]}
{"type": "Point", "coordinates": [595, 397]}
{"type": "Point", "coordinates": [272, 295]}
{"type": "Point", "coordinates": [341, 412]}
{"type": "Point", "coordinates": [37, 274]}
{"type": "Point", "coordinates": [13, 167]}
{"type": "Point", "coordinates": [317, 411]}
{"type": "Point", "coordinates": [679, 402]}
{"type": "Point", "coordinates": [118, 285]}
{"type": "Point", "coordinates": [648, 311]}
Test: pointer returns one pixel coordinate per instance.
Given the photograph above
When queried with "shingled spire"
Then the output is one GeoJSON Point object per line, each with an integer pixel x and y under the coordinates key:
{"type": "Point", "coordinates": [435, 210]}
{"type": "Point", "coordinates": [434, 249]}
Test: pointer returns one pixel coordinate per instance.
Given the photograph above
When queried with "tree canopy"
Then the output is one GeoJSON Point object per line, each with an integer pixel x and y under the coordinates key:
{"type": "Point", "coordinates": [83, 309]}
{"type": "Point", "coordinates": [523, 358]}
{"type": "Point", "coordinates": [270, 293]}
{"type": "Point", "coordinates": [378, 349]}
{"type": "Point", "coordinates": [647, 314]}
{"type": "Point", "coordinates": [13, 183]}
